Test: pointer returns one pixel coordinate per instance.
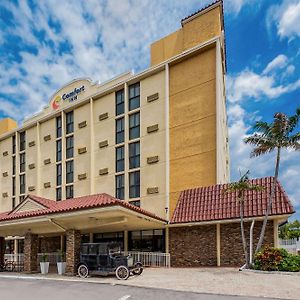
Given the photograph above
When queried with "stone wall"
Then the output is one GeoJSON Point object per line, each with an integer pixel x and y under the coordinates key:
{"type": "Point", "coordinates": [30, 252]}
{"type": "Point", "coordinates": [193, 246]}
{"type": "Point", "coordinates": [2, 250]}
{"type": "Point", "coordinates": [49, 244]}
{"type": "Point", "coordinates": [72, 251]}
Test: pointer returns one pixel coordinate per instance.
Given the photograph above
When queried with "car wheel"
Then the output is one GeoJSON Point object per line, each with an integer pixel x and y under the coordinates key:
{"type": "Point", "coordinates": [138, 269]}
{"type": "Point", "coordinates": [122, 273]}
{"type": "Point", "coordinates": [83, 271]}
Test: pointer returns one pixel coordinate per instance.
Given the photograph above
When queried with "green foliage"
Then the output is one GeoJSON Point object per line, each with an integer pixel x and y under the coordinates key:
{"type": "Point", "coordinates": [44, 257]}
{"type": "Point", "coordinates": [61, 256]}
{"type": "Point", "coordinates": [276, 259]}
{"type": "Point", "coordinates": [290, 230]}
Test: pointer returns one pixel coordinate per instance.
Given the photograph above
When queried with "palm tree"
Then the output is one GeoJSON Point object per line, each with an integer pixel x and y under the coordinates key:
{"type": "Point", "coordinates": [241, 187]}
{"type": "Point", "coordinates": [278, 135]}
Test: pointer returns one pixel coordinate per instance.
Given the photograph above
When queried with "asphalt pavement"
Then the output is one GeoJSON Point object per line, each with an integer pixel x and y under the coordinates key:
{"type": "Point", "coordinates": [25, 289]}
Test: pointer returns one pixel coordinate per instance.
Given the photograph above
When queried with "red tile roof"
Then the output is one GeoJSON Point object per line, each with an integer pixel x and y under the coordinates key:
{"type": "Point", "coordinates": [70, 205]}
{"type": "Point", "coordinates": [213, 203]}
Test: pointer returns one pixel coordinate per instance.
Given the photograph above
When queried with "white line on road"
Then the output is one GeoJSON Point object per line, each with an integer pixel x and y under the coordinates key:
{"type": "Point", "coordinates": [125, 297]}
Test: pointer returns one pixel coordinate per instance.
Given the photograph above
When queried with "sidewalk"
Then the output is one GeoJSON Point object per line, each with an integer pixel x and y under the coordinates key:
{"type": "Point", "coordinates": [226, 281]}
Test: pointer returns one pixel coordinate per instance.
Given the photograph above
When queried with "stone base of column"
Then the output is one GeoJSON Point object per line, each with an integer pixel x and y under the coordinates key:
{"type": "Point", "coordinates": [2, 250]}
{"type": "Point", "coordinates": [72, 251]}
{"type": "Point", "coordinates": [30, 253]}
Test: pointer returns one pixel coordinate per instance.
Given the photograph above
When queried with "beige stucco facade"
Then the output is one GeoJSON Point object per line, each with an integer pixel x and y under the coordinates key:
{"type": "Point", "coordinates": [188, 114]}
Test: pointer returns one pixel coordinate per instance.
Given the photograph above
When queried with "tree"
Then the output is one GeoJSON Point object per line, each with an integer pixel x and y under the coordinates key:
{"type": "Point", "coordinates": [278, 135]}
{"type": "Point", "coordinates": [241, 187]}
{"type": "Point", "coordinates": [290, 230]}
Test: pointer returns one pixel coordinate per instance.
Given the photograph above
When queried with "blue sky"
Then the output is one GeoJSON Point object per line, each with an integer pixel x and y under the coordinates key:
{"type": "Point", "coordinates": [45, 44]}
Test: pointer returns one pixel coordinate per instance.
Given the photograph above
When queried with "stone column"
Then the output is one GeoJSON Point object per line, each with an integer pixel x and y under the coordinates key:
{"type": "Point", "coordinates": [72, 251]}
{"type": "Point", "coordinates": [31, 246]}
{"type": "Point", "coordinates": [2, 250]}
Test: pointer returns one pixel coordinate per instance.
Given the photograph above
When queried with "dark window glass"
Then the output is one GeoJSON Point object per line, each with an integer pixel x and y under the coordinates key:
{"type": "Point", "coordinates": [58, 174]}
{"type": "Point", "coordinates": [22, 141]}
{"type": "Point", "coordinates": [69, 191]}
{"type": "Point", "coordinates": [58, 127]}
{"type": "Point", "coordinates": [134, 96]}
{"type": "Point", "coordinates": [58, 150]}
{"type": "Point", "coordinates": [69, 171]}
{"type": "Point", "coordinates": [134, 184]}
{"type": "Point", "coordinates": [69, 122]}
{"type": "Point", "coordinates": [134, 126]}
{"type": "Point", "coordinates": [147, 240]}
{"type": "Point", "coordinates": [14, 165]}
{"type": "Point", "coordinates": [14, 186]}
{"type": "Point", "coordinates": [22, 184]}
{"type": "Point", "coordinates": [58, 194]}
{"type": "Point", "coordinates": [136, 203]}
{"type": "Point", "coordinates": [120, 159]}
{"type": "Point", "coordinates": [21, 198]}
{"type": "Point", "coordinates": [22, 162]}
{"type": "Point", "coordinates": [119, 102]}
{"type": "Point", "coordinates": [120, 187]}
{"type": "Point", "coordinates": [14, 144]}
{"type": "Point", "coordinates": [13, 203]}
{"type": "Point", "coordinates": [119, 131]}
{"type": "Point", "coordinates": [134, 155]}
{"type": "Point", "coordinates": [69, 147]}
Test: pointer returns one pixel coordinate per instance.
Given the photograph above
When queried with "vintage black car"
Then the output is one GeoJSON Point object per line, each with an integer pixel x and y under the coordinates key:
{"type": "Point", "coordinates": [106, 259]}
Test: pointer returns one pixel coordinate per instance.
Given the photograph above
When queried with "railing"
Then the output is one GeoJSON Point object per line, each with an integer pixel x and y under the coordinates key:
{"type": "Point", "coordinates": [52, 258]}
{"type": "Point", "coordinates": [18, 258]}
{"type": "Point", "coordinates": [151, 259]}
{"type": "Point", "coordinates": [292, 245]}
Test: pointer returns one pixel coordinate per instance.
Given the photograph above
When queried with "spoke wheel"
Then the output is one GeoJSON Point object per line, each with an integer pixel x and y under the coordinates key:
{"type": "Point", "coordinates": [83, 271]}
{"type": "Point", "coordinates": [10, 267]}
{"type": "Point", "coordinates": [122, 273]}
{"type": "Point", "coordinates": [138, 269]}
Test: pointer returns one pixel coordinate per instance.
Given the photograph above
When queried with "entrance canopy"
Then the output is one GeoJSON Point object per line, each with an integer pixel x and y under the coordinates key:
{"type": "Point", "coordinates": [94, 213]}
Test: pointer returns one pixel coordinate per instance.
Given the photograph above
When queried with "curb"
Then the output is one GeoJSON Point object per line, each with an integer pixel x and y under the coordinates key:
{"type": "Point", "coordinates": [271, 272]}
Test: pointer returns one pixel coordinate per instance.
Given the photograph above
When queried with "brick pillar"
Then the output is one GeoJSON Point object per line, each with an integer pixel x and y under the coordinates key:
{"type": "Point", "coordinates": [72, 251]}
{"type": "Point", "coordinates": [30, 252]}
{"type": "Point", "coordinates": [2, 250]}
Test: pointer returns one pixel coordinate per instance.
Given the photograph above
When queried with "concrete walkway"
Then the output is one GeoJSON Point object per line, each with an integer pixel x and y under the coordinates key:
{"type": "Point", "coordinates": [224, 281]}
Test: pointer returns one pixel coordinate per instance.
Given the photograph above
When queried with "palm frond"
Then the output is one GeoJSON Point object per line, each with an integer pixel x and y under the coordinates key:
{"type": "Point", "coordinates": [293, 120]}
{"type": "Point", "coordinates": [262, 127]}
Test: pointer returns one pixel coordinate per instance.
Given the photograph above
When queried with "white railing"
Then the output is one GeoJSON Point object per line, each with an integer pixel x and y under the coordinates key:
{"type": "Point", "coordinates": [292, 245]}
{"type": "Point", "coordinates": [151, 259]}
{"type": "Point", "coordinates": [18, 258]}
{"type": "Point", "coordinates": [52, 258]}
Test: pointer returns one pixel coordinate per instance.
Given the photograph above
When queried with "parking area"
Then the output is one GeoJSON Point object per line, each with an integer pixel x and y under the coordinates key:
{"type": "Point", "coordinates": [224, 281]}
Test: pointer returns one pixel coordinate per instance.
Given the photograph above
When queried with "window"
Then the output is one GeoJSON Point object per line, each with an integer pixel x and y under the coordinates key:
{"type": "Point", "coordinates": [58, 150]}
{"type": "Point", "coordinates": [58, 127]}
{"type": "Point", "coordinates": [120, 159]}
{"type": "Point", "coordinates": [69, 191]}
{"type": "Point", "coordinates": [13, 203]}
{"type": "Point", "coordinates": [136, 203]}
{"type": "Point", "coordinates": [69, 122]}
{"type": "Point", "coordinates": [58, 174]}
{"type": "Point", "coordinates": [69, 147]}
{"type": "Point", "coordinates": [134, 126]}
{"type": "Point", "coordinates": [134, 155]}
{"type": "Point", "coordinates": [21, 198]}
{"type": "Point", "coordinates": [134, 96]}
{"type": "Point", "coordinates": [14, 186]}
{"type": "Point", "coordinates": [147, 240]}
{"type": "Point", "coordinates": [22, 140]}
{"type": "Point", "coordinates": [134, 184]}
{"type": "Point", "coordinates": [120, 187]}
{"type": "Point", "coordinates": [58, 194]}
{"type": "Point", "coordinates": [119, 102]}
{"type": "Point", "coordinates": [69, 171]}
{"type": "Point", "coordinates": [22, 162]}
{"type": "Point", "coordinates": [14, 165]}
{"type": "Point", "coordinates": [22, 184]}
{"type": "Point", "coordinates": [119, 131]}
{"type": "Point", "coordinates": [14, 144]}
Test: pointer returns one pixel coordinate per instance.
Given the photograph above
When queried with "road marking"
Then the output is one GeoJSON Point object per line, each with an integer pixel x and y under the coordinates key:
{"type": "Point", "coordinates": [125, 297]}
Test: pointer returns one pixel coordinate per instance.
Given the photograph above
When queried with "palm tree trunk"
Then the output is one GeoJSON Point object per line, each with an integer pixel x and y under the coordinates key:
{"type": "Point", "coordinates": [243, 233]}
{"type": "Point", "coordinates": [270, 200]}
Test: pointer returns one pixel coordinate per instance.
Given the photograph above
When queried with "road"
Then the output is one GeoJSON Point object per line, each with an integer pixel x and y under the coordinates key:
{"type": "Point", "coordinates": [20, 289]}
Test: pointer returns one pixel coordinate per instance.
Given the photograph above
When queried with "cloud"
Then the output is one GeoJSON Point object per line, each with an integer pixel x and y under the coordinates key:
{"type": "Point", "coordinates": [286, 18]}
{"type": "Point", "coordinates": [235, 6]}
{"type": "Point", "coordinates": [278, 62]}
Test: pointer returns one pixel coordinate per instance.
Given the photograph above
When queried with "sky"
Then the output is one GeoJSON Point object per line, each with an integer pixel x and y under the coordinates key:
{"type": "Point", "coordinates": [46, 44]}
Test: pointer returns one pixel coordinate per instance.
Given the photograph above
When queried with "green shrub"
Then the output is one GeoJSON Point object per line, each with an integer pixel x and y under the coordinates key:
{"type": "Point", "coordinates": [274, 259]}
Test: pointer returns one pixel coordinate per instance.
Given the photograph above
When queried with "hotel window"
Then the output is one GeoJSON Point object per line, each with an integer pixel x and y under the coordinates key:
{"type": "Point", "coordinates": [58, 127]}
{"type": "Point", "coordinates": [69, 171]}
{"type": "Point", "coordinates": [119, 130]}
{"type": "Point", "coordinates": [69, 147]}
{"type": "Point", "coordinates": [14, 165]}
{"type": "Point", "coordinates": [147, 240]}
{"type": "Point", "coordinates": [134, 126]}
{"type": "Point", "coordinates": [22, 140]}
{"type": "Point", "coordinates": [134, 184]}
{"type": "Point", "coordinates": [119, 102]}
{"type": "Point", "coordinates": [120, 187]}
{"type": "Point", "coordinates": [134, 155]}
{"type": "Point", "coordinates": [58, 174]}
{"type": "Point", "coordinates": [22, 184]}
{"type": "Point", "coordinates": [69, 191]}
{"type": "Point", "coordinates": [134, 96]}
{"type": "Point", "coordinates": [14, 144]}
{"type": "Point", "coordinates": [58, 194]}
{"type": "Point", "coordinates": [22, 162]}
{"type": "Point", "coordinates": [69, 122]}
{"type": "Point", "coordinates": [58, 150]}
{"type": "Point", "coordinates": [120, 159]}
{"type": "Point", "coordinates": [136, 203]}
{"type": "Point", "coordinates": [21, 198]}
{"type": "Point", "coordinates": [13, 203]}
{"type": "Point", "coordinates": [14, 186]}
